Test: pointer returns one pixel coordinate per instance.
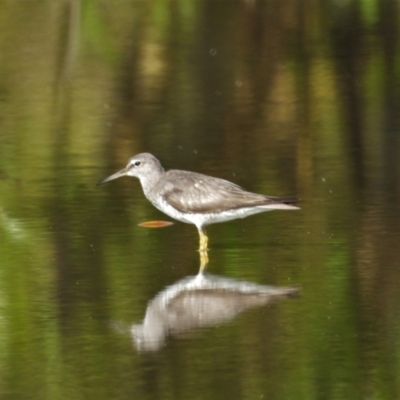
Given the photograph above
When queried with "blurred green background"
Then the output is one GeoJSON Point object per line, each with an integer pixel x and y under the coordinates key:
{"type": "Point", "coordinates": [289, 97]}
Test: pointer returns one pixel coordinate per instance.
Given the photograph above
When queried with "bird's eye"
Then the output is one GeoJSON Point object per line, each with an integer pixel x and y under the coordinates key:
{"type": "Point", "coordinates": [136, 163]}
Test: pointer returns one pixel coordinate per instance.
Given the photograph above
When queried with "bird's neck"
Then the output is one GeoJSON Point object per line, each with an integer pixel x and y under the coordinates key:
{"type": "Point", "coordinates": [150, 180]}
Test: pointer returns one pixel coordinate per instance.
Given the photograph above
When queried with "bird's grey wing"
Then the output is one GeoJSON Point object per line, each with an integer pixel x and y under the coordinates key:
{"type": "Point", "coordinates": [192, 192]}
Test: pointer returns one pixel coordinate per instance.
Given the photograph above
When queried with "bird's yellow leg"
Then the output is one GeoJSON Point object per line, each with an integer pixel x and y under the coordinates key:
{"type": "Point", "coordinates": [203, 261]}
{"type": "Point", "coordinates": [203, 240]}
{"type": "Point", "coordinates": [203, 250]}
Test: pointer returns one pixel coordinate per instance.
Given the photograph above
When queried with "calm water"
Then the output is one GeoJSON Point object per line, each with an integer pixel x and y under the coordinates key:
{"type": "Point", "coordinates": [282, 97]}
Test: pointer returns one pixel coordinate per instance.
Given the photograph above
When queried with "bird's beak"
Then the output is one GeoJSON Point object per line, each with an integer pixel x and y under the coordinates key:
{"type": "Point", "coordinates": [112, 177]}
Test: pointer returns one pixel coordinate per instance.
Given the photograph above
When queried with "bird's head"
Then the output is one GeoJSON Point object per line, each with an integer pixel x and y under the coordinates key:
{"type": "Point", "coordinates": [143, 166]}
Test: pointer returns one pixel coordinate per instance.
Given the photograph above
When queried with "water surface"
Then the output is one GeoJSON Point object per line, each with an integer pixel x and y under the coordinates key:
{"type": "Point", "coordinates": [283, 98]}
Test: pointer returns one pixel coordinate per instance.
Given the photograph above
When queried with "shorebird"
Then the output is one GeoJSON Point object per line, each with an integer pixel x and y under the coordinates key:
{"type": "Point", "coordinates": [195, 198]}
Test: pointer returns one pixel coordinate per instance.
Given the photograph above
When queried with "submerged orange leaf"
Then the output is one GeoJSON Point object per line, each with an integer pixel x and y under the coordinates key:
{"type": "Point", "coordinates": [155, 224]}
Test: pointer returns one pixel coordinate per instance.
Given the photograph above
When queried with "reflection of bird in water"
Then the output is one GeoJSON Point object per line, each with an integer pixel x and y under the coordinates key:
{"type": "Point", "coordinates": [195, 198]}
{"type": "Point", "coordinates": [200, 301]}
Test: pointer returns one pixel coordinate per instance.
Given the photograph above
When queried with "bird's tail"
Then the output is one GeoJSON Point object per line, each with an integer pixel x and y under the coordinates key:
{"type": "Point", "coordinates": [283, 203]}
{"type": "Point", "coordinates": [290, 201]}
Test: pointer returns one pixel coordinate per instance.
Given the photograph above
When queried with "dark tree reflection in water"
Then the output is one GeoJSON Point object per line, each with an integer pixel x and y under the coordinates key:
{"type": "Point", "coordinates": [281, 97]}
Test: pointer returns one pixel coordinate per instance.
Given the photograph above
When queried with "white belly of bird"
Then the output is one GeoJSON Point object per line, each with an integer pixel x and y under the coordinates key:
{"type": "Point", "coordinates": [203, 219]}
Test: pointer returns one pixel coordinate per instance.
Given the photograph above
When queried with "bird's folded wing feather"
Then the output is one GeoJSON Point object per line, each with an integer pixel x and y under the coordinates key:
{"type": "Point", "coordinates": [192, 192]}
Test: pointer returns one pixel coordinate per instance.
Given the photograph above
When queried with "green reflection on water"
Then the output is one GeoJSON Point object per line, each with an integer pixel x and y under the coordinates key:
{"type": "Point", "coordinates": [284, 99]}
